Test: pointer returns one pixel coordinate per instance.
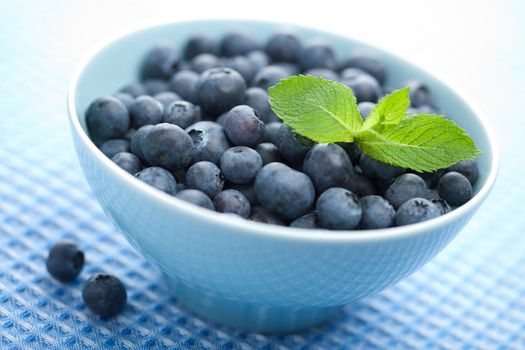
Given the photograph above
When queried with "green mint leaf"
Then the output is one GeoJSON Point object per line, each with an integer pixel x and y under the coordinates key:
{"type": "Point", "coordinates": [389, 110]}
{"type": "Point", "coordinates": [321, 110]}
{"type": "Point", "coordinates": [326, 112]}
{"type": "Point", "coordinates": [421, 142]}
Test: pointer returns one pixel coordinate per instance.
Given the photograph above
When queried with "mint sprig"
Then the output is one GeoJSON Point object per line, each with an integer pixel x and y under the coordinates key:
{"type": "Point", "coordinates": [319, 109]}
{"type": "Point", "coordinates": [326, 111]}
{"type": "Point", "coordinates": [390, 110]}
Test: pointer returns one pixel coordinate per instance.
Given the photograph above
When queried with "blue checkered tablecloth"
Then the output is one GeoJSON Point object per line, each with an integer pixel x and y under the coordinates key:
{"type": "Point", "coordinates": [472, 296]}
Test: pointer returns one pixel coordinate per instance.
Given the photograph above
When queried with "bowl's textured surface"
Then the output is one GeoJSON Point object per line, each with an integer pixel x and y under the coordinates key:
{"type": "Point", "coordinates": [248, 275]}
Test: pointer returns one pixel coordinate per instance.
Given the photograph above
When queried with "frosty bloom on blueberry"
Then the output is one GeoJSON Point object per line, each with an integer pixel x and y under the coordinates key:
{"type": "Point", "coordinates": [225, 123]}
{"type": "Point", "coordinates": [105, 295]}
{"type": "Point", "coordinates": [65, 261]}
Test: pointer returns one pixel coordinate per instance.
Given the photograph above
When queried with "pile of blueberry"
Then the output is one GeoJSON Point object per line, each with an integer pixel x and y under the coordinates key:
{"type": "Point", "coordinates": [103, 294]}
{"type": "Point", "coordinates": [199, 127]}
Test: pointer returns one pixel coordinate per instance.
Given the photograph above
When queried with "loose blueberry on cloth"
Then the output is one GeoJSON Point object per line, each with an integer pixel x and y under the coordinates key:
{"type": "Point", "coordinates": [65, 261]}
{"type": "Point", "coordinates": [105, 295]}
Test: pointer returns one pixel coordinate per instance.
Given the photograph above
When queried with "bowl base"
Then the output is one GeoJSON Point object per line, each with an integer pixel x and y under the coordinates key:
{"type": "Point", "coordinates": [249, 317]}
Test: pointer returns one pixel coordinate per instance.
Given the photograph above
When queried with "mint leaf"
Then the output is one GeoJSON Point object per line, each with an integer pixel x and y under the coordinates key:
{"type": "Point", "coordinates": [321, 110]}
{"type": "Point", "coordinates": [421, 142]}
{"type": "Point", "coordinates": [326, 111]}
{"type": "Point", "coordinates": [389, 110]}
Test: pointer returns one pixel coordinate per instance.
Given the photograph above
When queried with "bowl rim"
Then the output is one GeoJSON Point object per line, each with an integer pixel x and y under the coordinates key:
{"type": "Point", "coordinates": [268, 230]}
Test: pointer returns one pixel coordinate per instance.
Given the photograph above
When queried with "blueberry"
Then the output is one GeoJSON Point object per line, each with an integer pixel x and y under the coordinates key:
{"type": "Point", "coordinates": [127, 161]}
{"type": "Point", "coordinates": [419, 93]}
{"type": "Point", "coordinates": [382, 185]}
{"type": "Point", "coordinates": [412, 110]}
{"type": "Point", "coordinates": [196, 197]}
{"type": "Point", "coordinates": [283, 46]}
{"type": "Point", "coordinates": [416, 210]}
{"type": "Point", "coordinates": [184, 84]}
{"type": "Point", "coordinates": [125, 98]}
{"type": "Point", "coordinates": [290, 68]}
{"type": "Point", "coordinates": [367, 63]}
{"type": "Point", "coordinates": [167, 145]}
{"type": "Point", "coordinates": [352, 73]}
{"type": "Point", "coordinates": [248, 190]}
{"type": "Point", "coordinates": [338, 209]}
{"type": "Point", "coordinates": [361, 185]}
{"type": "Point", "coordinates": [455, 189]}
{"type": "Point", "coordinates": [377, 169]}
{"type": "Point", "coordinates": [205, 116]}
{"type": "Point", "coordinates": [160, 62]}
{"type": "Point", "coordinates": [220, 89]}
{"type": "Point", "coordinates": [269, 153]}
{"type": "Point", "coordinates": [200, 43]}
{"type": "Point", "coordinates": [237, 43]}
{"type": "Point", "coordinates": [134, 90]}
{"type": "Point", "coordinates": [65, 261]}
{"type": "Point", "coordinates": [426, 109]}
{"type": "Point", "coordinates": [114, 146]}
{"type": "Point", "coordinates": [442, 205]}
{"type": "Point", "coordinates": [316, 54]}
{"type": "Point", "coordinates": [222, 119]}
{"type": "Point", "coordinates": [405, 187]}
{"type": "Point", "coordinates": [166, 98]}
{"type": "Point", "coordinates": [377, 213]}
{"type": "Point", "coordinates": [364, 86]}
{"type": "Point", "coordinates": [145, 110]}
{"type": "Point", "coordinates": [137, 140]}
{"type": "Point", "coordinates": [292, 146]}
{"type": "Point", "coordinates": [206, 177]}
{"type": "Point", "coordinates": [257, 98]}
{"type": "Point", "coordinates": [155, 86]}
{"type": "Point", "coordinates": [240, 164]}
{"type": "Point", "coordinates": [183, 65]}
{"type": "Point", "coordinates": [104, 295]}
{"type": "Point", "coordinates": [181, 113]}
{"type": "Point", "coordinates": [243, 126]}
{"type": "Point", "coordinates": [269, 76]}
{"type": "Point", "coordinates": [352, 150]}
{"type": "Point", "coordinates": [242, 65]}
{"type": "Point", "coordinates": [107, 118]}
{"type": "Point", "coordinates": [284, 191]}
{"type": "Point", "coordinates": [209, 141]}
{"type": "Point", "coordinates": [180, 175]}
{"type": "Point", "coordinates": [467, 168]}
{"type": "Point", "coordinates": [260, 214]}
{"type": "Point", "coordinates": [203, 62]}
{"type": "Point", "coordinates": [258, 59]}
{"type": "Point", "coordinates": [431, 178]}
{"type": "Point", "coordinates": [323, 72]}
{"type": "Point", "coordinates": [270, 131]}
{"type": "Point", "coordinates": [310, 220]}
{"type": "Point", "coordinates": [365, 108]}
{"type": "Point", "coordinates": [432, 193]}
{"type": "Point", "coordinates": [159, 178]}
{"type": "Point", "coordinates": [328, 165]}
{"type": "Point", "coordinates": [129, 134]}
{"type": "Point", "coordinates": [232, 201]}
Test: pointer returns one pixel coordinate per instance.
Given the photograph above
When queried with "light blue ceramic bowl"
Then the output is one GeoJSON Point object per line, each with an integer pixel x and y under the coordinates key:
{"type": "Point", "coordinates": [248, 275]}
